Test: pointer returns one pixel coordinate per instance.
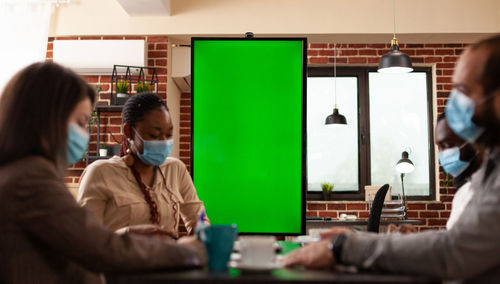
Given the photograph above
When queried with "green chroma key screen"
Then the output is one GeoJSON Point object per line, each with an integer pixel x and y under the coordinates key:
{"type": "Point", "coordinates": [248, 132]}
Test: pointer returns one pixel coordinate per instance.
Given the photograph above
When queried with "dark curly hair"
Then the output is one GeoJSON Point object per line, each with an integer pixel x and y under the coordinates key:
{"type": "Point", "coordinates": [136, 108]}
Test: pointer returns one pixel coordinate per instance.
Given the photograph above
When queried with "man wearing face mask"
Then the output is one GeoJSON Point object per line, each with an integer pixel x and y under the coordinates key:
{"type": "Point", "coordinates": [460, 160]}
{"type": "Point", "coordinates": [470, 250]}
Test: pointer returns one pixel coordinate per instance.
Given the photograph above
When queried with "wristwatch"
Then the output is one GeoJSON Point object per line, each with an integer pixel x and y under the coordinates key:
{"type": "Point", "coordinates": [336, 245]}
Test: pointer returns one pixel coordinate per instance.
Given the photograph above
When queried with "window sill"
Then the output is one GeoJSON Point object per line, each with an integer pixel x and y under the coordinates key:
{"type": "Point", "coordinates": [335, 201]}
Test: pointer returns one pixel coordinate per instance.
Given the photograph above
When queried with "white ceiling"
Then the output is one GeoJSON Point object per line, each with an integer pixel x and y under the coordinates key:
{"type": "Point", "coordinates": [355, 21]}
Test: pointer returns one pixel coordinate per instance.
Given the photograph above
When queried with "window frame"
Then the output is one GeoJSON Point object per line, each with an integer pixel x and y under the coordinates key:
{"type": "Point", "coordinates": [364, 163]}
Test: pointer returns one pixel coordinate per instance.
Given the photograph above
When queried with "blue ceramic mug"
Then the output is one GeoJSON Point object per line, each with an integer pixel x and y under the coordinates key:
{"type": "Point", "coordinates": [218, 240]}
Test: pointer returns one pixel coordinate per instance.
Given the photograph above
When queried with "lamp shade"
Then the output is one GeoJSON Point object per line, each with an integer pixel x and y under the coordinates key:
{"type": "Point", "coordinates": [335, 117]}
{"type": "Point", "coordinates": [395, 61]}
{"type": "Point", "coordinates": [405, 165]}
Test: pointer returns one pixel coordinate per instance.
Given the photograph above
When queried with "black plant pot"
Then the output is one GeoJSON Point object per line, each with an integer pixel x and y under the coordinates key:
{"type": "Point", "coordinates": [326, 196]}
{"type": "Point", "coordinates": [114, 150]}
{"type": "Point", "coordinates": [120, 100]}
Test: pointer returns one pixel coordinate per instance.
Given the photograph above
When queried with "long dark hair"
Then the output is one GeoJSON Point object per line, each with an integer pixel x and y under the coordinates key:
{"type": "Point", "coordinates": [136, 108]}
{"type": "Point", "coordinates": [34, 110]}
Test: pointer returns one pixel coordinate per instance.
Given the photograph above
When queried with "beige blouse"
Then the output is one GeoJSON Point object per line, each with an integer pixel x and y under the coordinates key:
{"type": "Point", "coordinates": [108, 188]}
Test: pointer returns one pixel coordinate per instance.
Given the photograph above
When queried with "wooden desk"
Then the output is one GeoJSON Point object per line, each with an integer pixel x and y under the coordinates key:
{"type": "Point", "coordinates": [383, 222]}
{"type": "Point", "coordinates": [322, 224]}
{"type": "Point", "coordinates": [276, 276]}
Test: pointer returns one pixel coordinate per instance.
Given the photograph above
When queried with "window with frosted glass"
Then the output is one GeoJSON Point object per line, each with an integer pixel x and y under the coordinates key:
{"type": "Point", "coordinates": [399, 121]}
{"type": "Point", "coordinates": [332, 150]}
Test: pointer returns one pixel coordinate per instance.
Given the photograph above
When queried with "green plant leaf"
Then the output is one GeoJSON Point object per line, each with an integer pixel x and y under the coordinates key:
{"type": "Point", "coordinates": [122, 86]}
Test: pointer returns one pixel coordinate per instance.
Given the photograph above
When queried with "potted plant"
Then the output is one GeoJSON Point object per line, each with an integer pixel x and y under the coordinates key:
{"type": "Point", "coordinates": [122, 89]}
{"type": "Point", "coordinates": [327, 190]}
{"type": "Point", "coordinates": [143, 87]}
{"type": "Point", "coordinates": [447, 181]}
{"type": "Point", "coordinates": [103, 151]}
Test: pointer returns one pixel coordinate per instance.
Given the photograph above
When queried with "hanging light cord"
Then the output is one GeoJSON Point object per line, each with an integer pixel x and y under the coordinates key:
{"type": "Point", "coordinates": [394, 16]}
{"type": "Point", "coordinates": [335, 72]}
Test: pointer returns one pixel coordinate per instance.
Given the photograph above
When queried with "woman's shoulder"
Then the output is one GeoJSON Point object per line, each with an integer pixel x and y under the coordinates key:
{"type": "Point", "coordinates": [173, 164]}
{"type": "Point", "coordinates": [31, 165]}
{"type": "Point", "coordinates": [114, 166]}
{"type": "Point", "coordinates": [111, 163]}
{"type": "Point", "coordinates": [30, 171]}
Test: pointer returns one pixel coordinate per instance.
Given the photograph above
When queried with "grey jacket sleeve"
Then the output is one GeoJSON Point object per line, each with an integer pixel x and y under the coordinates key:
{"type": "Point", "coordinates": [470, 248]}
{"type": "Point", "coordinates": [49, 214]}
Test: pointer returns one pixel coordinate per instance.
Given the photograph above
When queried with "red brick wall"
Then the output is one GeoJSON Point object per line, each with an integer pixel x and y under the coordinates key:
{"type": "Point", "coordinates": [111, 122]}
{"type": "Point", "coordinates": [185, 129]}
{"type": "Point", "coordinates": [433, 215]}
{"type": "Point", "coordinates": [443, 56]}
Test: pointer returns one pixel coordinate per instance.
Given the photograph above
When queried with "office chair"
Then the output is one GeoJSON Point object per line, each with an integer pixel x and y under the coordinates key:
{"type": "Point", "coordinates": [376, 209]}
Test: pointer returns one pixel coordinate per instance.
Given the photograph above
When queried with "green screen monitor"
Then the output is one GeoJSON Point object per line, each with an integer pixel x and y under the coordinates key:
{"type": "Point", "coordinates": [248, 132]}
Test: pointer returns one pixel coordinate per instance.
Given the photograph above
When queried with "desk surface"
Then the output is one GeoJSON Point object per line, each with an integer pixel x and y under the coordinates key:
{"type": "Point", "coordinates": [276, 276]}
{"type": "Point", "coordinates": [383, 222]}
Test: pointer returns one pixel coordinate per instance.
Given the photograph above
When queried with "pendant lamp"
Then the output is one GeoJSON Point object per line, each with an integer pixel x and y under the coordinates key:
{"type": "Point", "coordinates": [335, 117]}
{"type": "Point", "coordinates": [395, 61]}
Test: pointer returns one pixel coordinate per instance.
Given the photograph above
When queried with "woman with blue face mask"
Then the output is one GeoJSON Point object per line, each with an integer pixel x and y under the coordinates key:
{"type": "Point", "coordinates": [145, 186]}
{"type": "Point", "coordinates": [45, 236]}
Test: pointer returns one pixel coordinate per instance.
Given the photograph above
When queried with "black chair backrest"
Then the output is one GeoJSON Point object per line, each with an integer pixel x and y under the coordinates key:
{"type": "Point", "coordinates": [376, 209]}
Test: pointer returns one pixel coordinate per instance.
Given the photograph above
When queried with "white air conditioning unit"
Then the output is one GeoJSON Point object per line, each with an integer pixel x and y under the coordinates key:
{"type": "Point", "coordinates": [96, 57]}
{"type": "Point", "coordinates": [181, 68]}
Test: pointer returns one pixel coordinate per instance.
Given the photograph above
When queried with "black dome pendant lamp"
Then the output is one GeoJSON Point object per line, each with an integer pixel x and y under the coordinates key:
{"type": "Point", "coordinates": [395, 61]}
{"type": "Point", "coordinates": [335, 117]}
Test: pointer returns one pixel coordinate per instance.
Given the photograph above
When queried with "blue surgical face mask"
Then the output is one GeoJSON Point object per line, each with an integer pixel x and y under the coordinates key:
{"type": "Point", "coordinates": [77, 143]}
{"type": "Point", "coordinates": [459, 112]}
{"type": "Point", "coordinates": [450, 161]}
{"type": "Point", "coordinates": [155, 152]}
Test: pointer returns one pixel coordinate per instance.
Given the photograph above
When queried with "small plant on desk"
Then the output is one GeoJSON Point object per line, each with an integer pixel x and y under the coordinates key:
{"type": "Point", "coordinates": [103, 151]}
{"type": "Point", "coordinates": [327, 190]}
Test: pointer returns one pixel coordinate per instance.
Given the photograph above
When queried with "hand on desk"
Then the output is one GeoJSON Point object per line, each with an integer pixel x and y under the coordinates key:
{"type": "Point", "coordinates": [315, 255]}
{"type": "Point", "coordinates": [333, 232]}
{"type": "Point", "coordinates": [403, 229]}
{"type": "Point", "coordinates": [193, 243]}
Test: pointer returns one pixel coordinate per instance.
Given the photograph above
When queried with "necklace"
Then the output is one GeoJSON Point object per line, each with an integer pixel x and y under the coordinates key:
{"type": "Point", "coordinates": [148, 196]}
{"type": "Point", "coordinates": [147, 191]}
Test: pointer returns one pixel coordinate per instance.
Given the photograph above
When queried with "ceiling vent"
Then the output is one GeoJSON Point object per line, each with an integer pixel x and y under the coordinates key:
{"type": "Point", "coordinates": [146, 7]}
{"type": "Point", "coordinates": [181, 68]}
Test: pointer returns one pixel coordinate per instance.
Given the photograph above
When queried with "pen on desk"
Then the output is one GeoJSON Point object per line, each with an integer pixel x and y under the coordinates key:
{"type": "Point", "coordinates": [201, 221]}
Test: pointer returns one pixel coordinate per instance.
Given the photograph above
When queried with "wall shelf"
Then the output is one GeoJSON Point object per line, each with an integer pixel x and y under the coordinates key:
{"type": "Point", "coordinates": [99, 109]}
{"type": "Point", "coordinates": [132, 75]}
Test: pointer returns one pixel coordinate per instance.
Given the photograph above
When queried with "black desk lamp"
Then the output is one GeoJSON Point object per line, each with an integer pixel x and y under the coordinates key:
{"type": "Point", "coordinates": [404, 166]}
